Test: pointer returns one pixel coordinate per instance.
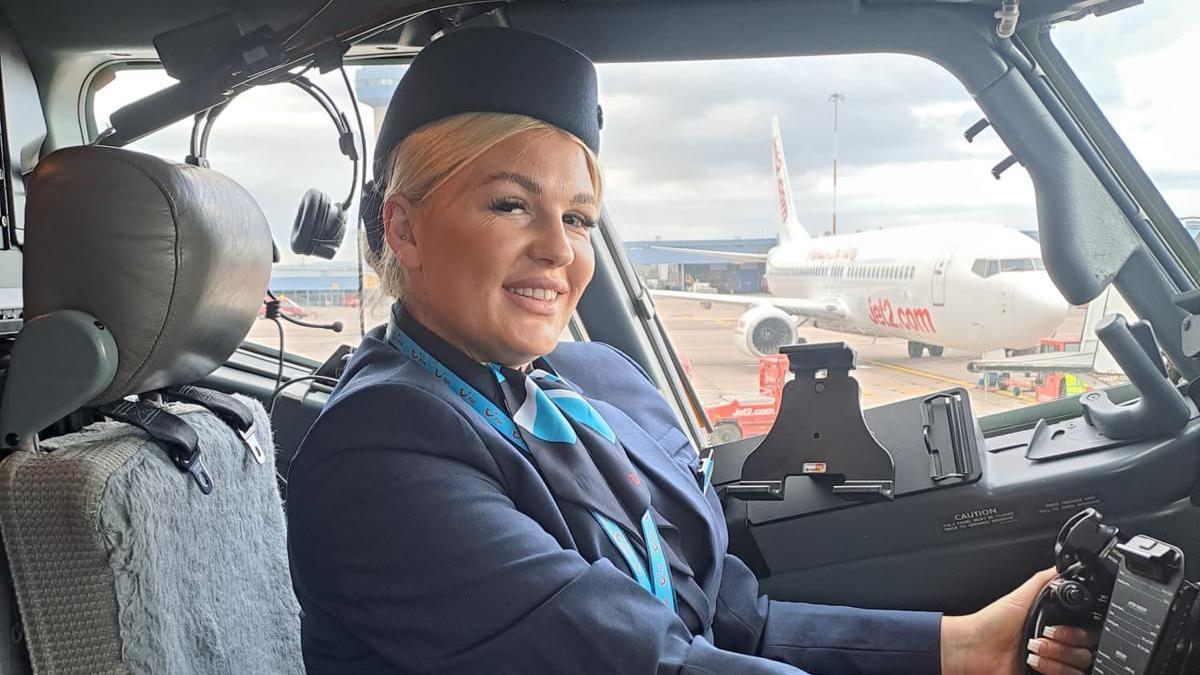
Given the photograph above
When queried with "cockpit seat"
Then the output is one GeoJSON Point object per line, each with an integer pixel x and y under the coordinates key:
{"type": "Point", "coordinates": [140, 275]}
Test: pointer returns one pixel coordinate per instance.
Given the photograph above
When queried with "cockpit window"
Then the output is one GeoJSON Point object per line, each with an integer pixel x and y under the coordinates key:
{"type": "Point", "coordinates": [1021, 265]}
{"type": "Point", "coordinates": [1139, 80]}
{"type": "Point", "coordinates": [986, 268]}
{"type": "Point", "coordinates": [693, 191]}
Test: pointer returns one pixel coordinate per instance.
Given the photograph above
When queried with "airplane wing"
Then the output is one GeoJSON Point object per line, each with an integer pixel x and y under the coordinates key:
{"type": "Point", "coordinates": [816, 309]}
{"type": "Point", "coordinates": [728, 255]}
{"type": "Point", "coordinates": [1050, 362]}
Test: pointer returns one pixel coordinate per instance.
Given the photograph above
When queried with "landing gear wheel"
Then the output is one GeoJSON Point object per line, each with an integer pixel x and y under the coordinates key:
{"type": "Point", "coordinates": [936, 350]}
{"type": "Point", "coordinates": [725, 432]}
{"type": "Point", "coordinates": [1016, 392]}
{"type": "Point", "coordinates": [916, 349]}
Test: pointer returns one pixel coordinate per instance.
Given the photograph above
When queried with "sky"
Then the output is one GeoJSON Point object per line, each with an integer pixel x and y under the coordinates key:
{"type": "Point", "coordinates": [686, 146]}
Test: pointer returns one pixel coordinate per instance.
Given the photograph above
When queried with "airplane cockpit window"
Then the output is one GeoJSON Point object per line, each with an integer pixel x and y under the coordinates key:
{"type": "Point", "coordinates": [851, 162]}
{"type": "Point", "coordinates": [1136, 65]}
{"type": "Point", "coordinates": [988, 268]}
{"type": "Point", "coordinates": [1022, 265]}
{"type": "Point", "coordinates": [278, 143]}
{"type": "Point", "coordinates": [791, 199]}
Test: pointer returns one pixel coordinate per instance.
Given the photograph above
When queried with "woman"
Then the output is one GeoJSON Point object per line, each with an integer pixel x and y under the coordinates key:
{"type": "Point", "coordinates": [476, 498]}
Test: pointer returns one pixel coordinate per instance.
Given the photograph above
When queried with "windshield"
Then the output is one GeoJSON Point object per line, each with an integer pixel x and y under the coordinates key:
{"type": "Point", "coordinates": [986, 268]}
{"type": "Point", "coordinates": [834, 199]}
{"type": "Point", "coordinates": [763, 202]}
{"type": "Point", "coordinates": [278, 142]}
{"type": "Point", "coordinates": [1139, 66]}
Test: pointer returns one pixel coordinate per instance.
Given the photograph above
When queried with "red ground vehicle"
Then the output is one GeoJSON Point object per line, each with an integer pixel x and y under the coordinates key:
{"type": "Point", "coordinates": [1046, 385]}
{"type": "Point", "coordinates": [752, 414]}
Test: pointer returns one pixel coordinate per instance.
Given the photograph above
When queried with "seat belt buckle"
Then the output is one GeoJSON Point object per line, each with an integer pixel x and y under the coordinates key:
{"type": "Point", "coordinates": [200, 474]}
{"type": "Point", "coordinates": [171, 434]}
{"type": "Point", "coordinates": [251, 440]}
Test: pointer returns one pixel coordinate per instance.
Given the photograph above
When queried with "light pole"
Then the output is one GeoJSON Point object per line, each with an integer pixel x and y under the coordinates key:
{"type": "Point", "coordinates": [835, 99]}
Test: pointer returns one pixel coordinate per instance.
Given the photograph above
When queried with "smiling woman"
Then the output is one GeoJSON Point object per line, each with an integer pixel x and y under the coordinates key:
{"type": "Point", "coordinates": [469, 226]}
{"type": "Point", "coordinates": [579, 515]}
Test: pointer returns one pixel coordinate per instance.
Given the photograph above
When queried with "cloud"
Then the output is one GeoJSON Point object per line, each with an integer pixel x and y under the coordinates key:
{"type": "Point", "coordinates": [1139, 65]}
{"type": "Point", "coordinates": [686, 146]}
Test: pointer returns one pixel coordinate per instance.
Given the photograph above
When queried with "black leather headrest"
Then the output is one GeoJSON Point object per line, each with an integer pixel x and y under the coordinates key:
{"type": "Point", "coordinates": [174, 259]}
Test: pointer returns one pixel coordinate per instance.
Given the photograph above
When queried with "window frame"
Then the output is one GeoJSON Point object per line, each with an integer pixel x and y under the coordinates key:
{"type": "Point", "coordinates": [1164, 231]}
{"type": "Point", "coordinates": [678, 387]}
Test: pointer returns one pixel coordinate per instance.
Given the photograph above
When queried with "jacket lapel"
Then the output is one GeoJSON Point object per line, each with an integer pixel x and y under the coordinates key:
{"type": "Point", "coordinates": [679, 484]}
{"type": "Point", "coordinates": [668, 474]}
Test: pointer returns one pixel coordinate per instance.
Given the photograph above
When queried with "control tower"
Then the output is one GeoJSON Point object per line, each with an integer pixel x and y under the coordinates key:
{"type": "Point", "coordinates": [373, 85]}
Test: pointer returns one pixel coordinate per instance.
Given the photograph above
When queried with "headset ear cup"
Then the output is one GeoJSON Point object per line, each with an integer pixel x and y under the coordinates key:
{"type": "Point", "coordinates": [319, 227]}
{"type": "Point", "coordinates": [302, 227]}
{"type": "Point", "coordinates": [335, 228]}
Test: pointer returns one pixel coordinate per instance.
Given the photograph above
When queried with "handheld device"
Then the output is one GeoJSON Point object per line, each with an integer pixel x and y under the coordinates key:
{"type": "Point", "coordinates": [1131, 589]}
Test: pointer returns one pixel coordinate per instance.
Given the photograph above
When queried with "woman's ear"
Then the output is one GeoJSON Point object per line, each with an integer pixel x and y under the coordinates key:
{"type": "Point", "coordinates": [398, 216]}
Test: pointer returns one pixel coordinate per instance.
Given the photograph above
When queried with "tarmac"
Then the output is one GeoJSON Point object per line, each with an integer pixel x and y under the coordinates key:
{"type": "Point", "coordinates": [884, 370]}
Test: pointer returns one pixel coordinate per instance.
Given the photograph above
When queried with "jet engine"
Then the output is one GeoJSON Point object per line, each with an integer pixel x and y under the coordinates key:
{"type": "Point", "coordinates": [762, 330]}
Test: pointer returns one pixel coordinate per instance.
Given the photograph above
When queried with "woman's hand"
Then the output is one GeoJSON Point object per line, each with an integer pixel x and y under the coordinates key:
{"type": "Point", "coordinates": [987, 641]}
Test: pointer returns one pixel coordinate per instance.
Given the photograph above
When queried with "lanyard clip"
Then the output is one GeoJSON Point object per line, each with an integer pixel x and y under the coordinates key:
{"type": "Point", "coordinates": [200, 474]}
{"type": "Point", "coordinates": [251, 440]}
{"type": "Point", "coordinates": [704, 471]}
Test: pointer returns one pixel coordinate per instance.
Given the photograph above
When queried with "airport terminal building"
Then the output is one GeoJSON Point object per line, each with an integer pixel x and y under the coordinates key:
{"type": "Point", "coordinates": [675, 264]}
{"type": "Point", "coordinates": [663, 263]}
{"type": "Point", "coordinates": [319, 283]}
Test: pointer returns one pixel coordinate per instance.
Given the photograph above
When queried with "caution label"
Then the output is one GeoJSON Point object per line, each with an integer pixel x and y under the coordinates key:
{"type": "Point", "coordinates": [1071, 505]}
{"type": "Point", "coordinates": [977, 518]}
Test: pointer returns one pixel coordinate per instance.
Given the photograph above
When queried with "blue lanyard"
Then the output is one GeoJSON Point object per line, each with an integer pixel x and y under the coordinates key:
{"type": "Point", "coordinates": [658, 582]}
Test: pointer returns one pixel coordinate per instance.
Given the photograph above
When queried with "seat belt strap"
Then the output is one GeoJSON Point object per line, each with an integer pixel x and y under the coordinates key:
{"type": "Point", "coordinates": [168, 432]}
{"type": "Point", "coordinates": [231, 411]}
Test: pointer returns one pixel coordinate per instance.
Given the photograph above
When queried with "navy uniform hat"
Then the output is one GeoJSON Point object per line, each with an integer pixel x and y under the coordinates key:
{"type": "Point", "coordinates": [499, 70]}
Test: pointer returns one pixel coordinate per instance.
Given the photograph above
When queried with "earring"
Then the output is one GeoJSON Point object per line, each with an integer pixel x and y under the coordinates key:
{"type": "Point", "coordinates": [404, 237]}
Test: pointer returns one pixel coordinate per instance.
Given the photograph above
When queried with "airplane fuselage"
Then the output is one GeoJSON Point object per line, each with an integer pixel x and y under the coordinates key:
{"type": "Point", "coordinates": [926, 284]}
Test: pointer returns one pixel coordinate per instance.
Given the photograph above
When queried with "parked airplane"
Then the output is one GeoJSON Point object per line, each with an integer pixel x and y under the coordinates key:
{"type": "Point", "coordinates": [972, 287]}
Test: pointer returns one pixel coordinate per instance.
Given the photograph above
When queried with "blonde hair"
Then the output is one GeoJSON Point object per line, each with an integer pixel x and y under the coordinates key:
{"type": "Point", "coordinates": [433, 154]}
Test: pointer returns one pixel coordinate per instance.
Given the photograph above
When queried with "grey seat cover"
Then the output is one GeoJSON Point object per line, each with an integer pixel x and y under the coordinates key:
{"type": "Point", "coordinates": [119, 562]}
{"type": "Point", "coordinates": [121, 565]}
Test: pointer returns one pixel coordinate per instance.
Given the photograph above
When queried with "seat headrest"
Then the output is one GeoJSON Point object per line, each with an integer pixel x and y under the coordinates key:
{"type": "Point", "coordinates": [174, 259]}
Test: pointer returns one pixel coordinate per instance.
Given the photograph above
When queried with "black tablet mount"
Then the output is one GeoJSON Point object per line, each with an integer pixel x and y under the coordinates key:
{"type": "Point", "coordinates": [821, 433]}
{"type": "Point", "coordinates": [828, 440]}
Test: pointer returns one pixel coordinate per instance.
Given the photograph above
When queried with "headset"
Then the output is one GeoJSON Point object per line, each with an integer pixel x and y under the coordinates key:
{"type": "Point", "coordinates": [320, 223]}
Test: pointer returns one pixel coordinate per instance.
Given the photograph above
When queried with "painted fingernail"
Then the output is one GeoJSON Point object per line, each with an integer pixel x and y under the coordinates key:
{"type": "Point", "coordinates": [1033, 661]}
{"type": "Point", "coordinates": [1034, 646]}
{"type": "Point", "coordinates": [1049, 631]}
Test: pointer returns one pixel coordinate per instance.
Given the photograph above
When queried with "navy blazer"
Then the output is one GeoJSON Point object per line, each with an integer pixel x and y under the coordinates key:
{"type": "Point", "coordinates": [422, 541]}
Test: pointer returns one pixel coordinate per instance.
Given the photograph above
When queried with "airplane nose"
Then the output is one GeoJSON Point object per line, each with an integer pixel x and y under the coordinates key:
{"type": "Point", "coordinates": [1039, 303]}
